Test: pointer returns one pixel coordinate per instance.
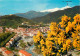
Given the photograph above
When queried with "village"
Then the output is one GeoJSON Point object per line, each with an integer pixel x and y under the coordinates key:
{"type": "Point", "coordinates": [21, 41]}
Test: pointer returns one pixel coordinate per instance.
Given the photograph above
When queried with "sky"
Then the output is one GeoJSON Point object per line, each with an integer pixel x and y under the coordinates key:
{"type": "Point", "coordinates": [22, 6]}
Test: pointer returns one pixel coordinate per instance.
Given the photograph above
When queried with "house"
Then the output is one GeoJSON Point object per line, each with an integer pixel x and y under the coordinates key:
{"type": "Point", "coordinates": [1, 29]}
{"type": "Point", "coordinates": [2, 49]}
{"type": "Point", "coordinates": [11, 41]}
{"type": "Point", "coordinates": [25, 35]}
{"type": "Point", "coordinates": [8, 44]}
{"type": "Point", "coordinates": [24, 53]}
{"type": "Point", "coordinates": [8, 53]}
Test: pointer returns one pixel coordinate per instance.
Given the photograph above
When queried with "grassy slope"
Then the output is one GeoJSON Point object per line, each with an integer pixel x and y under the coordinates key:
{"type": "Point", "coordinates": [55, 16]}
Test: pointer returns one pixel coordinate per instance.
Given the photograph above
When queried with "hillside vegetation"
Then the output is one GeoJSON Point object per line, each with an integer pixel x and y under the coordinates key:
{"type": "Point", "coordinates": [55, 16]}
{"type": "Point", "coordinates": [5, 37]}
{"type": "Point", "coordinates": [13, 21]}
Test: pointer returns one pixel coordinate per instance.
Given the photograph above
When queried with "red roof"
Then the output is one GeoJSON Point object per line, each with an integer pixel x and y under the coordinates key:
{"type": "Point", "coordinates": [11, 40]}
{"type": "Point", "coordinates": [7, 44]}
{"type": "Point", "coordinates": [3, 48]}
{"type": "Point", "coordinates": [25, 53]}
{"type": "Point", "coordinates": [8, 52]}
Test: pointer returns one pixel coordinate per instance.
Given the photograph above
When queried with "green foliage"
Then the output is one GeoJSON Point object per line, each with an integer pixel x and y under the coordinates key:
{"type": "Point", "coordinates": [24, 26]}
{"type": "Point", "coordinates": [78, 53]}
{"type": "Point", "coordinates": [12, 21]}
{"type": "Point", "coordinates": [22, 44]}
{"type": "Point", "coordinates": [1, 55]}
{"type": "Point", "coordinates": [21, 41]}
{"type": "Point", "coordinates": [28, 44]}
{"type": "Point", "coordinates": [5, 37]}
{"type": "Point", "coordinates": [16, 55]}
{"type": "Point", "coordinates": [4, 29]}
{"type": "Point", "coordinates": [11, 48]}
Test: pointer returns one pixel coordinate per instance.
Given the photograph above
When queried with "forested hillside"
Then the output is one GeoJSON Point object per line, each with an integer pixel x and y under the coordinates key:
{"type": "Point", "coordinates": [56, 16]}
{"type": "Point", "coordinates": [13, 21]}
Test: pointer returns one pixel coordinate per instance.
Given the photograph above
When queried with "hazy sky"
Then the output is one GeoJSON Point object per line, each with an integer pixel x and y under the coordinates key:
{"type": "Point", "coordinates": [21, 6]}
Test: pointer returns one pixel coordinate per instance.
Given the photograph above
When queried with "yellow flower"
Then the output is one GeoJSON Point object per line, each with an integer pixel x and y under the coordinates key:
{"type": "Point", "coordinates": [53, 53]}
{"type": "Point", "coordinates": [58, 54]}
{"type": "Point", "coordinates": [68, 42]}
{"type": "Point", "coordinates": [39, 46]}
{"type": "Point", "coordinates": [64, 21]}
{"type": "Point", "coordinates": [74, 35]}
{"type": "Point", "coordinates": [78, 28]}
{"type": "Point", "coordinates": [64, 47]}
{"type": "Point", "coordinates": [42, 42]}
{"type": "Point", "coordinates": [77, 18]}
{"type": "Point", "coordinates": [59, 50]}
{"type": "Point", "coordinates": [76, 43]}
{"type": "Point", "coordinates": [56, 37]}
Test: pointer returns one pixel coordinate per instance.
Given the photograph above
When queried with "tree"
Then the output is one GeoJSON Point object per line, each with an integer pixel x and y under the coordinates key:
{"type": "Point", "coordinates": [61, 39]}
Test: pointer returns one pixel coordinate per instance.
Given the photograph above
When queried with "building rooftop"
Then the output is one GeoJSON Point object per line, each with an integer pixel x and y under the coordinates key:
{"type": "Point", "coordinates": [8, 52]}
{"type": "Point", "coordinates": [25, 53]}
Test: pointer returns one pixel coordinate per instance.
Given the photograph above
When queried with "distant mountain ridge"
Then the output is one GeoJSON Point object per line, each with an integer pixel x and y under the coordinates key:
{"type": "Point", "coordinates": [31, 14]}
{"type": "Point", "coordinates": [56, 16]}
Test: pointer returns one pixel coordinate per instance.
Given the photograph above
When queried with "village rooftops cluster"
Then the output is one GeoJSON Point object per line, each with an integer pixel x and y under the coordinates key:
{"type": "Point", "coordinates": [6, 52]}
{"type": "Point", "coordinates": [12, 41]}
{"type": "Point", "coordinates": [20, 32]}
{"type": "Point", "coordinates": [27, 31]}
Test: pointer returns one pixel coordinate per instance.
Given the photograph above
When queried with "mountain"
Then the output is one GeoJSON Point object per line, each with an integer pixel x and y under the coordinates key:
{"type": "Point", "coordinates": [12, 20]}
{"type": "Point", "coordinates": [56, 16]}
{"type": "Point", "coordinates": [31, 14]}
